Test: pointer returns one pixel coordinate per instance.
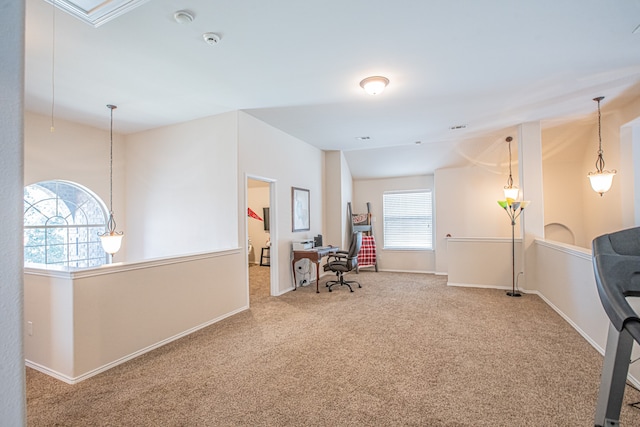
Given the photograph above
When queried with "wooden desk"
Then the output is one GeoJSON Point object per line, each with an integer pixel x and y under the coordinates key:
{"type": "Point", "coordinates": [314, 255]}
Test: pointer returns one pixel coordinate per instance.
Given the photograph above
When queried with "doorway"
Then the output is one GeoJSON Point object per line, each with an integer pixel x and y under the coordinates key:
{"type": "Point", "coordinates": [261, 254]}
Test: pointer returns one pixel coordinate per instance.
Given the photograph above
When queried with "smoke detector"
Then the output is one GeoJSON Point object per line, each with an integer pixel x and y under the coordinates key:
{"type": "Point", "coordinates": [211, 38]}
{"type": "Point", "coordinates": [183, 16]}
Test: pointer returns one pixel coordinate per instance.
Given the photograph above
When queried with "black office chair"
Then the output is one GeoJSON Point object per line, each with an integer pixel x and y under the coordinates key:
{"type": "Point", "coordinates": [342, 262]}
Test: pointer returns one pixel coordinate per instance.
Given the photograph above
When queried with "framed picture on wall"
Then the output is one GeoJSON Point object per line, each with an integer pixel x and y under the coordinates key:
{"type": "Point", "coordinates": [300, 209]}
{"type": "Point", "coordinates": [265, 218]}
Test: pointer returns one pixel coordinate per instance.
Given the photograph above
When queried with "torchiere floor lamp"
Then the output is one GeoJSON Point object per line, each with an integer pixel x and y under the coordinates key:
{"type": "Point", "coordinates": [513, 209]}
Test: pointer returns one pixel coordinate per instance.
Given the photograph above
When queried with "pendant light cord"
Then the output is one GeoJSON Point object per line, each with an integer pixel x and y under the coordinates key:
{"type": "Point", "coordinates": [600, 159]}
{"type": "Point", "coordinates": [510, 179]}
{"type": "Point", "coordinates": [53, 65]}
{"type": "Point", "coordinates": [111, 107]}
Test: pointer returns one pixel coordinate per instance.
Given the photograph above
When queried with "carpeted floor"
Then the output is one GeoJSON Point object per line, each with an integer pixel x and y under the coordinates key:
{"type": "Point", "coordinates": [405, 350]}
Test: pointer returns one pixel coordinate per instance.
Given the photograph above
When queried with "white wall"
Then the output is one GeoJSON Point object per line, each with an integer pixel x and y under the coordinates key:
{"type": "Point", "coordinates": [466, 202]}
{"type": "Point", "coordinates": [80, 154]}
{"type": "Point", "coordinates": [268, 152]}
{"type": "Point", "coordinates": [182, 188]}
{"type": "Point", "coordinates": [12, 377]}
{"type": "Point", "coordinates": [87, 321]}
{"type": "Point", "coordinates": [484, 262]}
{"type": "Point", "coordinates": [338, 192]}
{"type": "Point", "coordinates": [371, 190]}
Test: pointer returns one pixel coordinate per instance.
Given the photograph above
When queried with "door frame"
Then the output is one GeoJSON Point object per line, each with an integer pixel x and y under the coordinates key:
{"type": "Point", "coordinates": [273, 230]}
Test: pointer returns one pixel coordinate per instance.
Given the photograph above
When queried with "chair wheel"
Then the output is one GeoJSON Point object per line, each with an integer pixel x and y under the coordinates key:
{"type": "Point", "coordinates": [329, 289]}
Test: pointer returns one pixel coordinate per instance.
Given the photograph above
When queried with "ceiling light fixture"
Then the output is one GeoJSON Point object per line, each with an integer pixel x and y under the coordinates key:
{"type": "Point", "coordinates": [184, 16]}
{"type": "Point", "coordinates": [374, 85]}
{"type": "Point", "coordinates": [111, 239]}
{"type": "Point", "coordinates": [510, 190]}
{"type": "Point", "coordinates": [601, 179]}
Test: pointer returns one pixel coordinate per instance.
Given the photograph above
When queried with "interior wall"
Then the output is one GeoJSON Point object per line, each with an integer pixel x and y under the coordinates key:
{"type": "Point", "coordinates": [563, 208]}
{"type": "Point", "coordinates": [338, 192]}
{"type": "Point", "coordinates": [569, 154]}
{"type": "Point", "coordinates": [12, 374]}
{"type": "Point", "coordinates": [80, 154]}
{"type": "Point", "coordinates": [371, 190]}
{"type": "Point", "coordinates": [182, 188]}
{"type": "Point", "coordinates": [466, 206]}
{"type": "Point", "coordinates": [346, 193]}
{"type": "Point", "coordinates": [268, 152]}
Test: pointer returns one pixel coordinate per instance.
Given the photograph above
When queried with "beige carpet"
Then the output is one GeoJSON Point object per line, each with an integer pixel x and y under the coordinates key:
{"type": "Point", "coordinates": [405, 350]}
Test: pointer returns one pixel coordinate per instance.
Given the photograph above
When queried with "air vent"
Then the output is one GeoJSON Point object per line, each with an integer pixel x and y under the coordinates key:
{"type": "Point", "coordinates": [363, 138]}
{"type": "Point", "coordinates": [458, 127]}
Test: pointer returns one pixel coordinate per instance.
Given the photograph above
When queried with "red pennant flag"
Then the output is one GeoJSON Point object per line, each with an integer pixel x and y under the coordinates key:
{"type": "Point", "coordinates": [252, 214]}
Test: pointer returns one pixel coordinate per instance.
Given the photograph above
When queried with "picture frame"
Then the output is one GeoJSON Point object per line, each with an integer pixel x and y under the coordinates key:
{"type": "Point", "coordinates": [300, 220]}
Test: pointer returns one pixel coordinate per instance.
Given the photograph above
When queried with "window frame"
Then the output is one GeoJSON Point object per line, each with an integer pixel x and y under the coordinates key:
{"type": "Point", "coordinates": [88, 215]}
{"type": "Point", "coordinates": [389, 240]}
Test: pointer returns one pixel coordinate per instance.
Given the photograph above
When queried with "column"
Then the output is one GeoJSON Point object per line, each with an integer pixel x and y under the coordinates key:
{"type": "Point", "coordinates": [530, 175]}
{"type": "Point", "coordinates": [12, 381]}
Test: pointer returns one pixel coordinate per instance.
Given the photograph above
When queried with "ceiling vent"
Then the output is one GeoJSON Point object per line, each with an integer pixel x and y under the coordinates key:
{"type": "Point", "coordinates": [96, 12]}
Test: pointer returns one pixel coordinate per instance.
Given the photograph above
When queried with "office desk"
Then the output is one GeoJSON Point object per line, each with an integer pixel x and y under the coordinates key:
{"type": "Point", "coordinates": [314, 255]}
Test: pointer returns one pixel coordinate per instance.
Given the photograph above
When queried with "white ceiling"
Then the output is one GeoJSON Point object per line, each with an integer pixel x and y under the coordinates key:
{"type": "Point", "coordinates": [489, 65]}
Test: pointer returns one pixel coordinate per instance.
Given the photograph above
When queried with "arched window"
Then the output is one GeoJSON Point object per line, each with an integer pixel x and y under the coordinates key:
{"type": "Point", "coordinates": [62, 221]}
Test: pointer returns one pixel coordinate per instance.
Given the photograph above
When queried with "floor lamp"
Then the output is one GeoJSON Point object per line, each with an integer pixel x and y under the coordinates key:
{"type": "Point", "coordinates": [513, 209]}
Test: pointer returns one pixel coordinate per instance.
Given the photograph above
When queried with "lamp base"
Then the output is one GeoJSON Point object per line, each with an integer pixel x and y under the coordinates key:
{"type": "Point", "coordinates": [514, 294]}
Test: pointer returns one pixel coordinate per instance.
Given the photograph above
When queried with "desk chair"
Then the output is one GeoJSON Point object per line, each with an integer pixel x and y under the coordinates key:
{"type": "Point", "coordinates": [342, 262]}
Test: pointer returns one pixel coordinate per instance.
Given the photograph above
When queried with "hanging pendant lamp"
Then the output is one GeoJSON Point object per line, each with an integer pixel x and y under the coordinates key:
{"type": "Point", "coordinates": [601, 179]}
{"type": "Point", "coordinates": [510, 190]}
{"type": "Point", "coordinates": [111, 239]}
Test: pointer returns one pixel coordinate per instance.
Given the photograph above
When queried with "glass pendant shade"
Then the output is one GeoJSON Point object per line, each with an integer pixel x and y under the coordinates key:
{"type": "Point", "coordinates": [511, 193]}
{"type": "Point", "coordinates": [601, 181]}
{"type": "Point", "coordinates": [111, 242]}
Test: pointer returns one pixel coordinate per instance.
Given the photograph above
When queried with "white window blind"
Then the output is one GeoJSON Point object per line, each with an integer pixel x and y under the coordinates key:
{"type": "Point", "coordinates": [408, 220]}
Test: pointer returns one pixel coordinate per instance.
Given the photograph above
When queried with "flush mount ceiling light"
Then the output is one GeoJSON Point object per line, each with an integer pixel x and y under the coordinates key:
{"type": "Point", "coordinates": [601, 179]}
{"type": "Point", "coordinates": [374, 85]}
{"type": "Point", "coordinates": [184, 16]}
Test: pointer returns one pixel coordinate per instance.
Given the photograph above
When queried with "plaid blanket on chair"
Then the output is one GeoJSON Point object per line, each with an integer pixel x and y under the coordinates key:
{"type": "Point", "coordinates": [367, 254]}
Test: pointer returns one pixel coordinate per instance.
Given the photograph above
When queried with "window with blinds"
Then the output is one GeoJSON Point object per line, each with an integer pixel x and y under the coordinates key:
{"type": "Point", "coordinates": [408, 220]}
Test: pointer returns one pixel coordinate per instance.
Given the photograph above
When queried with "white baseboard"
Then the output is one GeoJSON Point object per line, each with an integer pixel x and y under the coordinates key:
{"type": "Point", "coordinates": [75, 380]}
{"type": "Point", "coordinates": [582, 333]}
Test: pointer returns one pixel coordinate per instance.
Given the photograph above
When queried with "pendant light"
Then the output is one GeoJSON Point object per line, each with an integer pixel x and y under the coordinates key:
{"type": "Point", "coordinates": [111, 239]}
{"type": "Point", "coordinates": [510, 191]}
{"type": "Point", "coordinates": [601, 179]}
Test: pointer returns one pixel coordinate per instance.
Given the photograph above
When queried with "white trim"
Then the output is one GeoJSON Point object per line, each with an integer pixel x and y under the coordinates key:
{"type": "Point", "coordinates": [102, 12]}
{"type": "Point", "coordinates": [479, 286]}
{"type": "Point", "coordinates": [75, 380]}
{"type": "Point", "coordinates": [407, 271]}
{"type": "Point", "coordinates": [483, 239]}
{"type": "Point", "coordinates": [572, 323]}
{"type": "Point", "coordinates": [568, 249]}
{"type": "Point", "coordinates": [64, 273]}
